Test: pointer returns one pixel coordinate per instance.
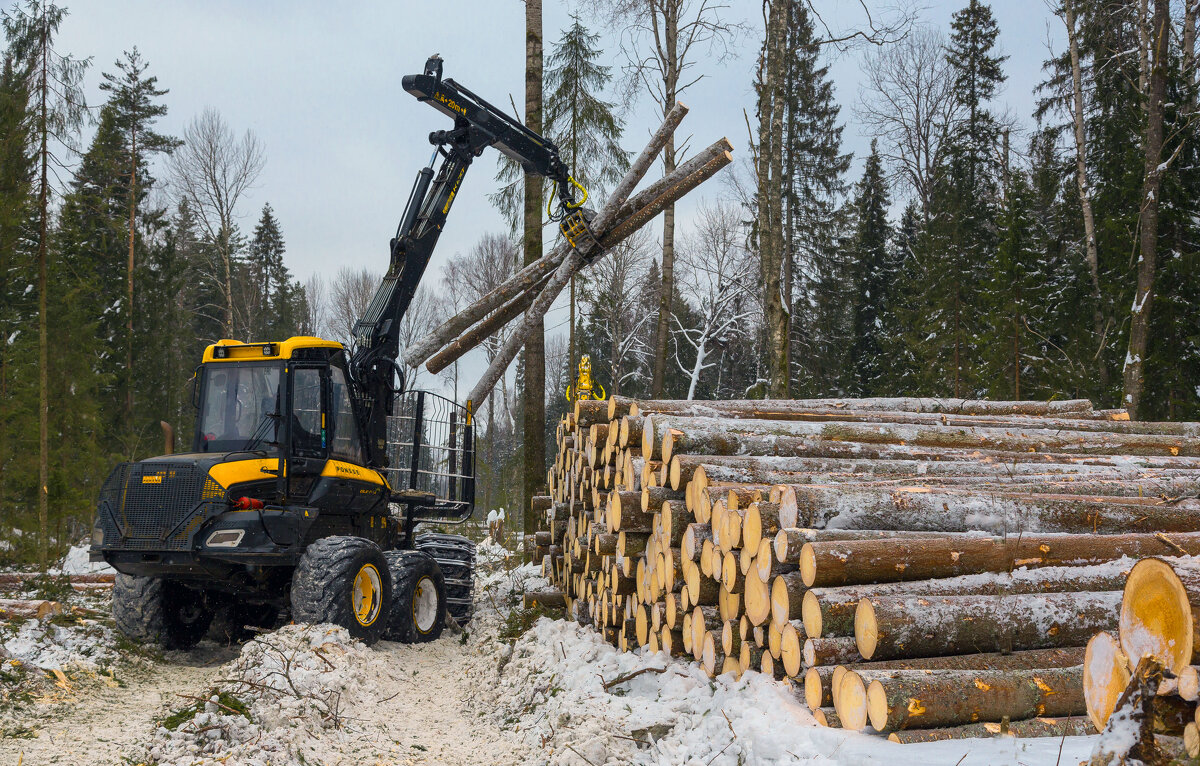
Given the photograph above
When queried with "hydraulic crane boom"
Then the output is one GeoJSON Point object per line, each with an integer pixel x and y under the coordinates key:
{"type": "Point", "coordinates": [477, 125]}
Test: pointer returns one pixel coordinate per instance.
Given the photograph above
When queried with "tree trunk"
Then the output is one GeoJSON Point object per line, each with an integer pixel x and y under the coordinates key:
{"type": "Point", "coordinates": [668, 15]}
{"type": "Point", "coordinates": [829, 610]}
{"type": "Point", "coordinates": [777, 320]}
{"type": "Point", "coordinates": [921, 700]}
{"type": "Point", "coordinates": [893, 627]}
{"type": "Point", "coordinates": [43, 128]}
{"type": "Point", "coordinates": [1139, 326]}
{"type": "Point", "coordinates": [1085, 192]}
{"type": "Point", "coordinates": [535, 342]}
{"type": "Point", "coordinates": [1069, 726]}
{"type": "Point", "coordinates": [129, 376]}
{"type": "Point", "coordinates": [852, 562]}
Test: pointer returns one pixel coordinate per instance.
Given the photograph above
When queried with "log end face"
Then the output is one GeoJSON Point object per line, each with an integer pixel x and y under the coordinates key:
{"type": "Point", "coordinates": [808, 565]}
{"type": "Point", "coordinates": [877, 707]}
{"type": "Point", "coordinates": [781, 545]}
{"type": "Point", "coordinates": [851, 702]}
{"type": "Point", "coordinates": [812, 689]}
{"type": "Point", "coordinates": [791, 651]}
{"type": "Point", "coordinates": [675, 473]}
{"type": "Point", "coordinates": [1156, 616]}
{"type": "Point", "coordinates": [810, 613]}
{"type": "Point", "coordinates": [1105, 676]}
{"type": "Point", "coordinates": [866, 629]}
{"type": "Point", "coordinates": [780, 604]}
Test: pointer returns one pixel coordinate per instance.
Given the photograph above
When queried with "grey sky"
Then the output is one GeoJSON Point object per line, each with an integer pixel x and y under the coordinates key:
{"type": "Point", "coordinates": [320, 85]}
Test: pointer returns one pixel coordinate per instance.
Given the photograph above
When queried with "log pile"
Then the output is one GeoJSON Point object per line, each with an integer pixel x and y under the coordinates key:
{"type": "Point", "coordinates": [924, 569]}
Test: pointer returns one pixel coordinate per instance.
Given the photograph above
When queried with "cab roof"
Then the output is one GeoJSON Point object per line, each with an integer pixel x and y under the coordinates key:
{"type": "Point", "coordinates": [236, 350]}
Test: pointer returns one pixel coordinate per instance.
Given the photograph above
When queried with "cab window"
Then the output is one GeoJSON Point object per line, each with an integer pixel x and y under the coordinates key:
{"type": "Point", "coordinates": [239, 406]}
{"type": "Point", "coordinates": [309, 435]}
{"type": "Point", "coordinates": [347, 444]}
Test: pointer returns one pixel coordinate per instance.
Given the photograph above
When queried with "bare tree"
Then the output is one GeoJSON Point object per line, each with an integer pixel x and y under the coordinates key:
{"type": "Point", "coordinates": [212, 171]}
{"type": "Point", "coordinates": [908, 103]}
{"type": "Point", "coordinates": [612, 291]}
{"type": "Point", "coordinates": [316, 297]}
{"type": "Point", "coordinates": [718, 279]}
{"type": "Point", "coordinates": [663, 41]}
{"type": "Point", "coordinates": [349, 295]}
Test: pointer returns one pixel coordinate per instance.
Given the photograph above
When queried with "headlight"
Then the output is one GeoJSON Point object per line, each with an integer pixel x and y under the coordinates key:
{"type": "Point", "coordinates": [225, 538]}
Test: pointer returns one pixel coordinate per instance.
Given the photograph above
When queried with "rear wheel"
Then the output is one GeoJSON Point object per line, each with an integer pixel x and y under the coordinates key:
{"type": "Point", "coordinates": [419, 607]}
{"type": "Point", "coordinates": [343, 580]}
{"type": "Point", "coordinates": [456, 557]}
{"type": "Point", "coordinates": [158, 610]}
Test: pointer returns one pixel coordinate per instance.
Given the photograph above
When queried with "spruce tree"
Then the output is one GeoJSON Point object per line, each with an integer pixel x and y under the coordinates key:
{"type": "Point", "coordinates": [873, 273]}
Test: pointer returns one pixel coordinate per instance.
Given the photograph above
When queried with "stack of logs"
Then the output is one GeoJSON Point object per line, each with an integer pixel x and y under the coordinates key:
{"type": "Point", "coordinates": [926, 569]}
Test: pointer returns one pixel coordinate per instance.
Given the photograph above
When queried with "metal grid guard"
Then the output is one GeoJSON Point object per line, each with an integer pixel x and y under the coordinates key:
{"type": "Point", "coordinates": [431, 451]}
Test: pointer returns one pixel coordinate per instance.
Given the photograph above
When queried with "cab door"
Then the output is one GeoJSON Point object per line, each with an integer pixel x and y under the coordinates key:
{"type": "Point", "coordinates": [308, 429]}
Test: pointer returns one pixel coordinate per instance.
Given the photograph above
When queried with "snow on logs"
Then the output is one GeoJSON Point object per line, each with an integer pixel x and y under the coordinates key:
{"type": "Point", "coordinates": [923, 568]}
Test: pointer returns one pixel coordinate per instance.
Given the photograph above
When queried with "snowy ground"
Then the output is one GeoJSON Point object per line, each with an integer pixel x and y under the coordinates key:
{"type": "Point", "coordinates": [310, 694]}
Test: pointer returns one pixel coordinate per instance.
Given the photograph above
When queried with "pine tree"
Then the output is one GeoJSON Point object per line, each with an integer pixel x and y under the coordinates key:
{"type": "Point", "coordinates": [132, 98]}
{"type": "Point", "coordinates": [873, 275]}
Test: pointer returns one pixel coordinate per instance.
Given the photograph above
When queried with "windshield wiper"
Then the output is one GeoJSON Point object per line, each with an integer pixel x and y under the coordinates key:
{"type": "Point", "coordinates": [260, 432]}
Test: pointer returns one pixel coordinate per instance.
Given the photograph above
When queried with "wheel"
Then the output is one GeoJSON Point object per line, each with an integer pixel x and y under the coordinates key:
{"type": "Point", "coordinates": [153, 609]}
{"type": "Point", "coordinates": [419, 607]}
{"type": "Point", "coordinates": [456, 556]}
{"type": "Point", "coordinates": [341, 580]}
{"type": "Point", "coordinates": [231, 618]}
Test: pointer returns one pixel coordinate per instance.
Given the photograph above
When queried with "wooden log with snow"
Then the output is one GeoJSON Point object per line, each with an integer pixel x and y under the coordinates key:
{"type": "Point", "coordinates": [1106, 673]}
{"type": "Point", "coordinates": [37, 608]}
{"type": "Point", "coordinates": [1070, 726]}
{"type": "Point", "coordinates": [868, 561]}
{"type": "Point", "coordinates": [829, 611]}
{"type": "Point", "coordinates": [890, 627]}
{"type": "Point", "coordinates": [778, 409]}
{"type": "Point", "coordinates": [1160, 612]}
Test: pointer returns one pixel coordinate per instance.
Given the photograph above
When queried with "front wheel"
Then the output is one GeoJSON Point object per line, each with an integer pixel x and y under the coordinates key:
{"type": "Point", "coordinates": [158, 610]}
{"type": "Point", "coordinates": [343, 580]}
{"type": "Point", "coordinates": [419, 608]}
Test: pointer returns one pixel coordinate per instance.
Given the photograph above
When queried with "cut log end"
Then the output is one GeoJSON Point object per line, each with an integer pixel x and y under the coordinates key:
{"type": "Point", "coordinates": [852, 702]}
{"type": "Point", "coordinates": [808, 565]}
{"type": "Point", "coordinates": [810, 613]}
{"type": "Point", "coordinates": [813, 690]}
{"type": "Point", "coordinates": [1105, 676]}
{"type": "Point", "coordinates": [1156, 616]}
{"type": "Point", "coordinates": [866, 628]}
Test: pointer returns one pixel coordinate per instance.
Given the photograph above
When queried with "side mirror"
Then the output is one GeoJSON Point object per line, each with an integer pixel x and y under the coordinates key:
{"type": "Point", "coordinates": [196, 388]}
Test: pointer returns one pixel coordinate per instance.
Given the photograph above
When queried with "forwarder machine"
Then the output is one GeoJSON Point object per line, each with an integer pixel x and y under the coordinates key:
{"type": "Point", "coordinates": [311, 466]}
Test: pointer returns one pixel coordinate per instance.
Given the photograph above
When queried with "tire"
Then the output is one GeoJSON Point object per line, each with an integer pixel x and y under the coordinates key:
{"type": "Point", "coordinates": [161, 611]}
{"type": "Point", "coordinates": [343, 580]}
{"type": "Point", "coordinates": [419, 604]}
{"type": "Point", "coordinates": [456, 556]}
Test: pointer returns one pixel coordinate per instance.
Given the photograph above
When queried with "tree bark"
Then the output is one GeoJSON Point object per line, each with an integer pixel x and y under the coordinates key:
{"type": "Point", "coordinates": [829, 610]}
{"type": "Point", "coordinates": [893, 627]}
{"type": "Point", "coordinates": [1139, 326]}
{"type": "Point", "coordinates": [534, 394]}
{"type": "Point", "coordinates": [852, 562]}
{"type": "Point", "coordinates": [1069, 726]}
{"type": "Point", "coordinates": [920, 700]}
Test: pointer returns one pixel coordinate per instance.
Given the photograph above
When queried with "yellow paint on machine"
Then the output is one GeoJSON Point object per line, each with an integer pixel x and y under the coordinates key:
{"type": "Point", "coordinates": [236, 472]}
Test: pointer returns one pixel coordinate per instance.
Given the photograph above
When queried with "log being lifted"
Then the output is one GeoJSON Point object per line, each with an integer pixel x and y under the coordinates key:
{"type": "Point", "coordinates": [537, 273]}
{"type": "Point", "coordinates": [849, 562]}
{"type": "Point", "coordinates": [893, 627]}
{"type": "Point", "coordinates": [683, 179]}
{"type": "Point", "coordinates": [829, 611]}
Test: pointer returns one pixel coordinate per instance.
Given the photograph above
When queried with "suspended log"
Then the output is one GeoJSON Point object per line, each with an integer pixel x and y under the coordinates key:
{"type": "Point", "coordinates": [535, 273]}
{"type": "Point", "coordinates": [829, 611]}
{"type": "Point", "coordinates": [891, 627]}
{"type": "Point", "coordinates": [865, 561]}
{"type": "Point", "coordinates": [1070, 726]}
{"type": "Point", "coordinates": [918, 699]}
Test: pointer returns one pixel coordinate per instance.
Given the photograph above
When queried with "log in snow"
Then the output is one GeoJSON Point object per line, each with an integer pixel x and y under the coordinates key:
{"type": "Point", "coordinates": [1071, 726]}
{"type": "Point", "coordinates": [1105, 676]}
{"type": "Point", "coordinates": [891, 627]}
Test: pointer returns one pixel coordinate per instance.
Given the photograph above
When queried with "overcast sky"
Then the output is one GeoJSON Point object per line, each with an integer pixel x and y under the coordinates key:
{"type": "Point", "coordinates": [320, 86]}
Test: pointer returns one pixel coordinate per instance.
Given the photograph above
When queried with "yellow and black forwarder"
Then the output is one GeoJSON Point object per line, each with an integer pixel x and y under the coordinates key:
{"type": "Point", "coordinates": [310, 466]}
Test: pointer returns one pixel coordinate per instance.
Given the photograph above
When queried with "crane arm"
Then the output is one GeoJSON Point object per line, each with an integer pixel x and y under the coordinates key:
{"type": "Point", "coordinates": [477, 125]}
